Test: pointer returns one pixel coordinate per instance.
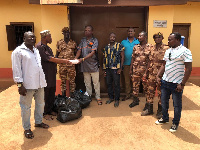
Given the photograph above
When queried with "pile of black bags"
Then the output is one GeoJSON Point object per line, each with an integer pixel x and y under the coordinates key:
{"type": "Point", "coordinates": [67, 109]}
{"type": "Point", "coordinates": [70, 108]}
{"type": "Point", "coordinates": [82, 97]}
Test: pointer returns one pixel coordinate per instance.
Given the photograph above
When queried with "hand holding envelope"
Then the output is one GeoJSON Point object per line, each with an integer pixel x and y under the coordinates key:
{"type": "Point", "coordinates": [75, 61]}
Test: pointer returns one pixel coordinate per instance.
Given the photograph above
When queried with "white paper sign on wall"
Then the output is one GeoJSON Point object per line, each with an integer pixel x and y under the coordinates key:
{"type": "Point", "coordinates": [160, 23]}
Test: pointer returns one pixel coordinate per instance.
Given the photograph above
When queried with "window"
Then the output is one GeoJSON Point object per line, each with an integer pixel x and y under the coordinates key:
{"type": "Point", "coordinates": [15, 33]}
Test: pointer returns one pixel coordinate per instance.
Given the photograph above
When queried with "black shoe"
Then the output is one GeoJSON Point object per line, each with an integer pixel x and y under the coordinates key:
{"type": "Point", "coordinates": [161, 121]}
{"type": "Point", "coordinates": [145, 107]}
{"type": "Point", "coordinates": [135, 102]}
{"type": "Point", "coordinates": [148, 109]}
{"type": "Point", "coordinates": [116, 103]}
{"type": "Point", "coordinates": [173, 128]}
{"type": "Point", "coordinates": [126, 97]}
{"type": "Point", "coordinates": [109, 101]}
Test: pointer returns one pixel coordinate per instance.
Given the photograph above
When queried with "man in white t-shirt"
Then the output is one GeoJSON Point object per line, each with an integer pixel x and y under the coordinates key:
{"type": "Point", "coordinates": [174, 73]}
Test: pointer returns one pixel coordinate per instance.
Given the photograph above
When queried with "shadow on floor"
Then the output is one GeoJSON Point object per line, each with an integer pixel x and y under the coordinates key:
{"type": "Point", "coordinates": [182, 133]}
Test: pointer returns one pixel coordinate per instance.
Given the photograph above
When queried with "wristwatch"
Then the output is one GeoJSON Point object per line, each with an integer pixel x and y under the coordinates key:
{"type": "Point", "coordinates": [19, 85]}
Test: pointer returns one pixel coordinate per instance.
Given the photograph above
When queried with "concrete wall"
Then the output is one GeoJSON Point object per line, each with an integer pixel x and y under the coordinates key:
{"type": "Point", "coordinates": [189, 13]}
{"type": "Point", "coordinates": [53, 18]}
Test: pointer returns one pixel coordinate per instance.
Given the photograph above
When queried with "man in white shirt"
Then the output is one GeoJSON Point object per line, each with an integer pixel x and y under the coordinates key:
{"type": "Point", "coordinates": [30, 79]}
{"type": "Point", "coordinates": [174, 73]}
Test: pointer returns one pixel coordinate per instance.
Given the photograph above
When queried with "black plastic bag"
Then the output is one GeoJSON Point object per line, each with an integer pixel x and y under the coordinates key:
{"type": "Point", "coordinates": [70, 111]}
{"type": "Point", "coordinates": [60, 101]}
{"type": "Point", "coordinates": [83, 99]}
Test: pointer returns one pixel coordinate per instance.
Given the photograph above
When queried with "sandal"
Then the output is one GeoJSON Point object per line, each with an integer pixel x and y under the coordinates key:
{"type": "Point", "coordinates": [48, 117]}
{"type": "Point", "coordinates": [28, 134]}
{"type": "Point", "coordinates": [42, 125]}
{"type": "Point", "coordinates": [99, 102]}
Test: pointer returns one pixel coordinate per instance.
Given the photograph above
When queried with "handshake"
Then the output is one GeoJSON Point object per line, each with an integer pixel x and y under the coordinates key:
{"type": "Point", "coordinates": [75, 61]}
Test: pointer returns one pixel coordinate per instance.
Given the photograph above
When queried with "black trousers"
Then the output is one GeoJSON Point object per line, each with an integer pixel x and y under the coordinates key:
{"type": "Point", "coordinates": [49, 98]}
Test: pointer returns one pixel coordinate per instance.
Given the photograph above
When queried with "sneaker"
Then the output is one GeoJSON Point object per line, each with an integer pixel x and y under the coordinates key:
{"type": "Point", "coordinates": [161, 121]}
{"type": "Point", "coordinates": [173, 128]}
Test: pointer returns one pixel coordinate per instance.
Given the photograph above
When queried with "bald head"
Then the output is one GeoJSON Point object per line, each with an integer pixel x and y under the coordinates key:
{"type": "Point", "coordinates": [142, 36]}
{"type": "Point", "coordinates": [29, 39]}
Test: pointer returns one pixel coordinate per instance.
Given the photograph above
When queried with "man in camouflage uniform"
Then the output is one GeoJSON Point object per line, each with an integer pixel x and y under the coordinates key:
{"type": "Point", "coordinates": [155, 62]}
{"type": "Point", "coordinates": [138, 66]}
{"type": "Point", "coordinates": [65, 50]}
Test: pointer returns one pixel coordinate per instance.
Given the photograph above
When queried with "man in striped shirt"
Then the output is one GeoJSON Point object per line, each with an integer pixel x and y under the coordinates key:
{"type": "Point", "coordinates": [174, 73]}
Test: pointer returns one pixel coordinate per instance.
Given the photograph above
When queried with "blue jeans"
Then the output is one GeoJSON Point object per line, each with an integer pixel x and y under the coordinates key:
{"type": "Point", "coordinates": [113, 77]}
{"type": "Point", "coordinates": [25, 104]}
{"type": "Point", "coordinates": [168, 88]}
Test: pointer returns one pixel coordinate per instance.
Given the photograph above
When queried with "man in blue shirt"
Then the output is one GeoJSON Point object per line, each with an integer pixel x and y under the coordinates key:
{"type": "Point", "coordinates": [128, 43]}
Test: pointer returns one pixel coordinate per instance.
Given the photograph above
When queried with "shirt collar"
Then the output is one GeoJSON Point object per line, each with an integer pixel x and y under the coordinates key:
{"type": "Point", "coordinates": [113, 44]}
{"type": "Point", "coordinates": [177, 48]}
{"type": "Point", "coordinates": [23, 46]}
{"type": "Point", "coordinates": [129, 41]}
{"type": "Point", "coordinates": [161, 46]}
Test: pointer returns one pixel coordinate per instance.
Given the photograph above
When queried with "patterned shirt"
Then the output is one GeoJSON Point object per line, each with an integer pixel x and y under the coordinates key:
{"type": "Point", "coordinates": [140, 58]}
{"type": "Point", "coordinates": [128, 49]}
{"type": "Point", "coordinates": [112, 58]}
{"type": "Point", "coordinates": [27, 68]}
{"type": "Point", "coordinates": [87, 46]}
{"type": "Point", "coordinates": [174, 67]}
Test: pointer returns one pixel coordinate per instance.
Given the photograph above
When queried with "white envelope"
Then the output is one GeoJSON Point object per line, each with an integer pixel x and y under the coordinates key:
{"type": "Point", "coordinates": [76, 61]}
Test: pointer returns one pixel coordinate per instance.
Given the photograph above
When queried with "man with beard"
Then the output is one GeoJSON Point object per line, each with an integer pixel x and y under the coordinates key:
{"type": "Point", "coordinates": [49, 67]}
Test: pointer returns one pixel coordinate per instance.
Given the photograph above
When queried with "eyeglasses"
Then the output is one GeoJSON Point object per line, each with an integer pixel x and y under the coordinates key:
{"type": "Point", "coordinates": [170, 56]}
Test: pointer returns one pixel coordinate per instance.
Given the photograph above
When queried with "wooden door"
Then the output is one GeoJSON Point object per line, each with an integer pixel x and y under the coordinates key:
{"type": "Point", "coordinates": [104, 21]}
{"type": "Point", "coordinates": [184, 31]}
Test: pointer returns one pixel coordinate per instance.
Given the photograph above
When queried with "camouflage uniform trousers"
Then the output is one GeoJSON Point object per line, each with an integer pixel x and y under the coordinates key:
{"type": "Point", "coordinates": [136, 78]}
{"type": "Point", "coordinates": [151, 88]}
{"type": "Point", "coordinates": [67, 73]}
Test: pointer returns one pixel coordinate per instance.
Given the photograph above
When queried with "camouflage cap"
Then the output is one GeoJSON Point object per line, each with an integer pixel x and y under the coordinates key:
{"type": "Point", "coordinates": [65, 29]}
{"type": "Point", "coordinates": [44, 33]}
{"type": "Point", "coordinates": [158, 34]}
